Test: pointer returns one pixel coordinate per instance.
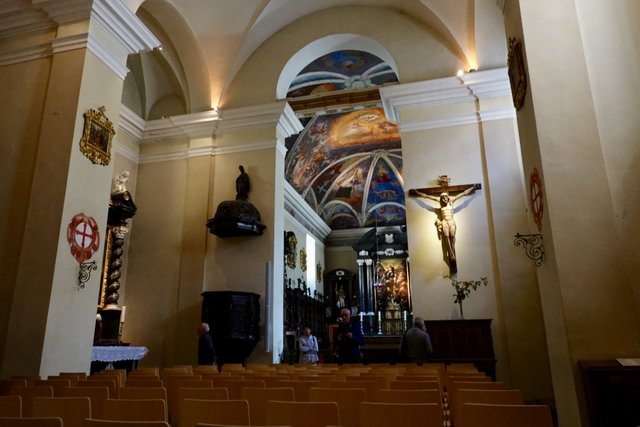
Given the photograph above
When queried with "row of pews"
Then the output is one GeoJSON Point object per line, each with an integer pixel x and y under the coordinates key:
{"type": "Point", "coordinates": [374, 395]}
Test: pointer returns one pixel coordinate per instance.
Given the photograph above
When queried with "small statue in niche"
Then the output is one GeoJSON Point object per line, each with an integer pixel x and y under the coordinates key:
{"type": "Point", "coordinates": [120, 182]}
{"type": "Point", "coordinates": [242, 185]}
{"type": "Point", "coordinates": [341, 297]}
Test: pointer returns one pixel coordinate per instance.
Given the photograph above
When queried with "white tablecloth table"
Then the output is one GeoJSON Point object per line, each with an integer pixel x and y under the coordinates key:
{"type": "Point", "coordinates": [112, 354]}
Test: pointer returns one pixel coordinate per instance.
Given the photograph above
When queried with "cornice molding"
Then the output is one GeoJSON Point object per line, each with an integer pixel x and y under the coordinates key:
{"type": "Point", "coordinates": [124, 26]}
{"type": "Point", "coordinates": [126, 152]}
{"type": "Point", "coordinates": [73, 42]}
{"type": "Point", "coordinates": [131, 123]}
{"type": "Point", "coordinates": [205, 151]}
{"type": "Point", "coordinates": [65, 11]}
{"type": "Point", "coordinates": [112, 16]}
{"type": "Point", "coordinates": [24, 55]}
{"type": "Point", "coordinates": [470, 87]}
{"type": "Point", "coordinates": [396, 98]}
{"type": "Point", "coordinates": [107, 57]}
{"type": "Point", "coordinates": [300, 210]}
{"type": "Point", "coordinates": [346, 238]}
{"type": "Point", "coordinates": [289, 123]}
{"type": "Point", "coordinates": [278, 115]}
{"type": "Point", "coordinates": [192, 125]}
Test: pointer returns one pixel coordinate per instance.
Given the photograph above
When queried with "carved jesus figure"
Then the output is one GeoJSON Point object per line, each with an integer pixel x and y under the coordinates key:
{"type": "Point", "coordinates": [445, 222]}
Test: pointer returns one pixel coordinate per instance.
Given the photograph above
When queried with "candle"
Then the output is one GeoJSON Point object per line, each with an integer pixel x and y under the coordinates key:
{"type": "Point", "coordinates": [379, 316]}
{"type": "Point", "coordinates": [124, 308]}
{"type": "Point", "coordinates": [404, 315]}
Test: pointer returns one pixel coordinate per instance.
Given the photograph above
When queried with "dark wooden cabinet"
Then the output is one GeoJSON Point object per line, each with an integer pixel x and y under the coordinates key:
{"type": "Point", "coordinates": [612, 393]}
{"type": "Point", "coordinates": [234, 318]}
{"type": "Point", "coordinates": [463, 341]}
{"type": "Point", "coordinates": [454, 341]}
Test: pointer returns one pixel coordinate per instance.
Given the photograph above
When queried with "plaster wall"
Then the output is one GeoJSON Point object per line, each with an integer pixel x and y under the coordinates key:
{"type": "Point", "coordinates": [256, 82]}
{"type": "Point", "coordinates": [62, 329]}
{"type": "Point", "coordinates": [71, 318]}
{"type": "Point", "coordinates": [611, 38]}
{"type": "Point", "coordinates": [26, 85]}
{"type": "Point", "coordinates": [581, 228]}
{"type": "Point", "coordinates": [341, 258]}
{"type": "Point", "coordinates": [566, 128]}
{"type": "Point", "coordinates": [239, 263]}
{"type": "Point", "coordinates": [293, 274]}
{"type": "Point", "coordinates": [153, 278]}
{"type": "Point", "coordinates": [487, 153]}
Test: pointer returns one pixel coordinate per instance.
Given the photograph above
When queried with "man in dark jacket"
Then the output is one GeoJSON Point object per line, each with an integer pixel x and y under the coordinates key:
{"type": "Point", "coordinates": [415, 346]}
{"type": "Point", "coordinates": [349, 338]}
{"type": "Point", "coordinates": [206, 351]}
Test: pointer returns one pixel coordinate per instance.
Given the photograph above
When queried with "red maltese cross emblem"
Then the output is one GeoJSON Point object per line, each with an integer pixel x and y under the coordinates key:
{"type": "Point", "coordinates": [83, 237]}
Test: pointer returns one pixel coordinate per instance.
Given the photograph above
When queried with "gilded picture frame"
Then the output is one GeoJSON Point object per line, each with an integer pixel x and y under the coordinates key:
{"type": "Point", "coordinates": [290, 248]}
{"type": "Point", "coordinates": [97, 136]}
{"type": "Point", "coordinates": [303, 259]}
{"type": "Point", "coordinates": [517, 75]}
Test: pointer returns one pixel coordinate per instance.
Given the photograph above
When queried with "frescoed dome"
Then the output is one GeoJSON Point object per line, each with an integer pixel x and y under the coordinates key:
{"type": "Point", "coordinates": [348, 167]}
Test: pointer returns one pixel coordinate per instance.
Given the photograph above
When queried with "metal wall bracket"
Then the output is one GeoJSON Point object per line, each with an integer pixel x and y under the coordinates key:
{"type": "Point", "coordinates": [85, 273]}
{"type": "Point", "coordinates": [533, 246]}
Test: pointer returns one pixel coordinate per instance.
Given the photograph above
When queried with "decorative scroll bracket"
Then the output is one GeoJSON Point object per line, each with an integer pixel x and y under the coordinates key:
{"type": "Point", "coordinates": [85, 273]}
{"type": "Point", "coordinates": [533, 246]}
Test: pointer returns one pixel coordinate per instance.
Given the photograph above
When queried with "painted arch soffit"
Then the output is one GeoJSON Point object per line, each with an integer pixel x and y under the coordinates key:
{"type": "Point", "coordinates": [348, 168]}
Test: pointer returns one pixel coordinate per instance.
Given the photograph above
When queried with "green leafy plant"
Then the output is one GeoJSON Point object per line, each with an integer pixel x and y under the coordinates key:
{"type": "Point", "coordinates": [463, 288]}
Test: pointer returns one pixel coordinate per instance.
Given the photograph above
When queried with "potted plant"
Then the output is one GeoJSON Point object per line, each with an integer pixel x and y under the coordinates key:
{"type": "Point", "coordinates": [463, 288]}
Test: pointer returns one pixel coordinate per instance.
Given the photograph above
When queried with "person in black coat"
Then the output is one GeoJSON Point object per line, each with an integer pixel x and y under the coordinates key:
{"type": "Point", "coordinates": [206, 351]}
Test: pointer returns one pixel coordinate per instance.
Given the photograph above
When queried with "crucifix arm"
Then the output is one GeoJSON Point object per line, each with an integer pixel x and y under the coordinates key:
{"type": "Point", "coordinates": [466, 192]}
{"type": "Point", "coordinates": [414, 193]}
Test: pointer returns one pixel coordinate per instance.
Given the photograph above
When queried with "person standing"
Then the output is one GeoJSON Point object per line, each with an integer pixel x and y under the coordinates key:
{"type": "Point", "coordinates": [415, 346]}
{"type": "Point", "coordinates": [349, 338]}
{"type": "Point", "coordinates": [308, 347]}
{"type": "Point", "coordinates": [206, 350]}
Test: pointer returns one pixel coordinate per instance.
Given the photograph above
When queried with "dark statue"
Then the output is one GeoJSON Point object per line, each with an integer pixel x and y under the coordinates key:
{"type": "Point", "coordinates": [242, 185]}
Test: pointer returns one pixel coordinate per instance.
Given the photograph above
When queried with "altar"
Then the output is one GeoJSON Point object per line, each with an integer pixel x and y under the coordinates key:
{"type": "Point", "coordinates": [453, 341]}
{"type": "Point", "coordinates": [116, 357]}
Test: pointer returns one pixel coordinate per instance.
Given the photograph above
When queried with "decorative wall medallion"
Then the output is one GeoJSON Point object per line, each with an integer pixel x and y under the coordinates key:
{"type": "Point", "coordinates": [303, 259]}
{"type": "Point", "coordinates": [517, 75]}
{"type": "Point", "coordinates": [290, 248]}
{"type": "Point", "coordinates": [96, 137]}
{"type": "Point", "coordinates": [535, 198]}
{"type": "Point", "coordinates": [83, 237]}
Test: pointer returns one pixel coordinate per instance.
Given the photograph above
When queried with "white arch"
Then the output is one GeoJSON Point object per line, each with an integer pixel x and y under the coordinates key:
{"type": "Point", "coordinates": [326, 45]}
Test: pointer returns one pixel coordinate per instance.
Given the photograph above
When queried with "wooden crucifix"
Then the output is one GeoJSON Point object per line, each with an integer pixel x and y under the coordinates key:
{"type": "Point", "coordinates": [446, 195]}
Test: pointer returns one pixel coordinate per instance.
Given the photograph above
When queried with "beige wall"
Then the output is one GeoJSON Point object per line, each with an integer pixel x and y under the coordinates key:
{"type": "Point", "coordinates": [442, 138]}
{"type": "Point", "coordinates": [589, 307]}
{"type": "Point", "coordinates": [607, 46]}
{"type": "Point", "coordinates": [64, 183]}
{"type": "Point", "coordinates": [256, 82]}
{"type": "Point", "coordinates": [24, 84]}
{"type": "Point", "coordinates": [291, 224]}
{"type": "Point", "coordinates": [153, 279]}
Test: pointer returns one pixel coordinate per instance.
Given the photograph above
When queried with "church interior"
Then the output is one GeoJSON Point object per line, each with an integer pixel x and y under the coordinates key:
{"type": "Point", "coordinates": [166, 162]}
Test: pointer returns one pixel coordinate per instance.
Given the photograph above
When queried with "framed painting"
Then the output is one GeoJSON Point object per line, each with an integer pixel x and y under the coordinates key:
{"type": "Point", "coordinates": [96, 137]}
{"type": "Point", "coordinates": [517, 75]}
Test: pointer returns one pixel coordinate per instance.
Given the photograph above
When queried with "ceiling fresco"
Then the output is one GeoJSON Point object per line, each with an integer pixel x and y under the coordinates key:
{"type": "Point", "coordinates": [348, 167]}
{"type": "Point", "coordinates": [340, 70]}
